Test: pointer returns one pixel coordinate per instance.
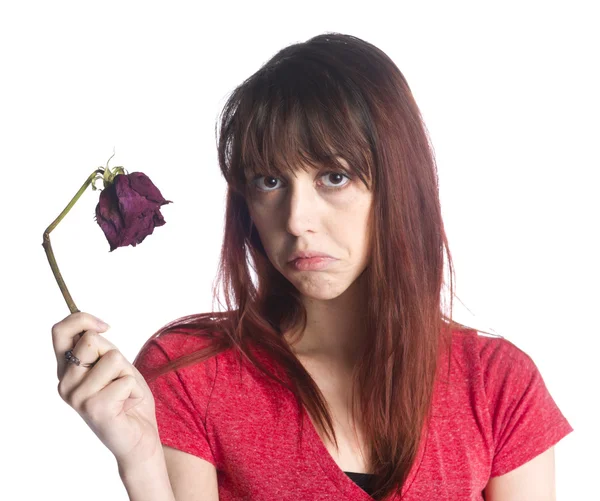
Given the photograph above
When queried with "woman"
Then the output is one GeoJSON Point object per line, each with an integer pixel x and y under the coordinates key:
{"type": "Point", "coordinates": [335, 373]}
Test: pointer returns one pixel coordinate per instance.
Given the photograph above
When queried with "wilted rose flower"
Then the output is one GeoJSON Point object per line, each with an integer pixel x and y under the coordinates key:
{"type": "Point", "coordinates": [129, 209]}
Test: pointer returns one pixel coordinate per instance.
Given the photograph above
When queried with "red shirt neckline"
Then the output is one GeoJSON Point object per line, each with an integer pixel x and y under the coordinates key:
{"type": "Point", "coordinates": [338, 476]}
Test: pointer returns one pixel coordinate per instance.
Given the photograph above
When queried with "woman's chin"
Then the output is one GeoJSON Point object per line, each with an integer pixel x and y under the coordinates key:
{"type": "Point", "coordinates": [321, 292]}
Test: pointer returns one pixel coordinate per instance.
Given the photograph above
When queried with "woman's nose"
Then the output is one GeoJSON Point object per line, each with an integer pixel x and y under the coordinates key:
{"type": "Point", "coordinates": [301, 209]}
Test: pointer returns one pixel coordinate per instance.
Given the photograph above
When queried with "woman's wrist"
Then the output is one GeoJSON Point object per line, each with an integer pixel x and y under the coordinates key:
{"type": "Point", "coordinates": [148, 480]}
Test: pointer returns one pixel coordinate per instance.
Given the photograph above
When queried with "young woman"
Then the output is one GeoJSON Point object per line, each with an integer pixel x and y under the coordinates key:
{"type": "Point", "coordinates": [334, 371]}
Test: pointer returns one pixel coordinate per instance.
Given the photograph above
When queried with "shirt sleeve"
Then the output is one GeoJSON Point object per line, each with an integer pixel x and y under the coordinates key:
{"type": "Point", "coordinates": [526, 420]}
{"type": "Point", "coordinates": [181, 397]}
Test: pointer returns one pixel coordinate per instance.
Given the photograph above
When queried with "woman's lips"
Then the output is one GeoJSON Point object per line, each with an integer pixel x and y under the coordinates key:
{"type": "Point", "coordinates": [311, 263]}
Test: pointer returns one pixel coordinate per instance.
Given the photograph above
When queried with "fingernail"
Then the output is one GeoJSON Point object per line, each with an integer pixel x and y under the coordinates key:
{"type": "Point", "coordinates": [103, 325]}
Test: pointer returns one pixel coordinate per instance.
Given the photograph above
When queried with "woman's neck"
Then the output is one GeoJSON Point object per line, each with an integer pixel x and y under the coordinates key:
{"type": "Point", "coordinates": [335, 329]}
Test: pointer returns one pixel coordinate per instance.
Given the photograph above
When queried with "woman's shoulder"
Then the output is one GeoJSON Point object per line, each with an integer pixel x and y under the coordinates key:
{"type": "Point", "coordinates": [187, 333]}
{"type": "Point", "coordinates": [497, 366]}
{"type": "Point", "coordinates": [227, 363]}
{"type": "Point", "coordinates": [187, 344]}
{"type": "Point", "coordinates": [487, 350]}
{"type": "Point", "coordinates": [487, 364]}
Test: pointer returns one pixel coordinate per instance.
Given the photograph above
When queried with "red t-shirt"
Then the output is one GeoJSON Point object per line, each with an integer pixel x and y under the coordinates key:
{"type": "Point", "coordinates": [495, 415]}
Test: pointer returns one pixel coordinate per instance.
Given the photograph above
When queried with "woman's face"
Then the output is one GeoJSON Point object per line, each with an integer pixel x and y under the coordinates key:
{"type": "Point", "coordinates": [318, 210]}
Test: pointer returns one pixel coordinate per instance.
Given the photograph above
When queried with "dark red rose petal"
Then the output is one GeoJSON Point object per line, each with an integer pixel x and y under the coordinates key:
{"type": "Point", "coordinates": [129, 210]}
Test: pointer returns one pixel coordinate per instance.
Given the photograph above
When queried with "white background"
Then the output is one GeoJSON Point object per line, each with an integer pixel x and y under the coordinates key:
{"type": "Point", "coordinates": [508, 90]}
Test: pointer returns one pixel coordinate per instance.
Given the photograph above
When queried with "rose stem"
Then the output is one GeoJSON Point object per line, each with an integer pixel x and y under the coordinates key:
{"type": "Point", "coordinates": [48, 247]}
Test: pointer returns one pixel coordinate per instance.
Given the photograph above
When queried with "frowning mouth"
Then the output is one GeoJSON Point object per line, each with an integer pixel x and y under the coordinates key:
{"type": "Point", "coordinates": [312, 263]}
{"type": "Point", "coordinates": [307, 254]}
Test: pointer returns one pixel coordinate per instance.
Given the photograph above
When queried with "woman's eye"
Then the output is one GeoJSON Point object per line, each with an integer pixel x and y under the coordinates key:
{"type": "Point", "coordinates": [335, 177]}
{"type": "Point", "coordinates": [269, 179]}
{"type": "Point", "coordinates": [338, 176]}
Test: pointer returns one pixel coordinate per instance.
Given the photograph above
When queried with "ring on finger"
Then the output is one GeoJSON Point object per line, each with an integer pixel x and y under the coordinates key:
{"type": "Point", "coordinates": [69, 357]}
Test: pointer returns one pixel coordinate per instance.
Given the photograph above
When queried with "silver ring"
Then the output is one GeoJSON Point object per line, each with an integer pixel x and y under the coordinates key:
{"type": "Point", "coordinates": [69, 357]}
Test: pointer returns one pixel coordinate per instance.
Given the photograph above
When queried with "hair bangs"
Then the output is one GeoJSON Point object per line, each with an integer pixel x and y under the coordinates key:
{"type": "Point", "coordinates": [293, 123]}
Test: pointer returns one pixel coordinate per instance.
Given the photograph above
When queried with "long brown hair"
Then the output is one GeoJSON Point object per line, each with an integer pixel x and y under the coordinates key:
{"type": "Point", "coordinates": [335, 95]}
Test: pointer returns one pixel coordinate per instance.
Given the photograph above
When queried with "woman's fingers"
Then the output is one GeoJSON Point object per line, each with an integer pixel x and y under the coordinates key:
{"type": "Point", "coordinates": [91, 348]}
{"type": "Point", "coordinates": [91, 395]}
{"type": "Point", "coordinates": [65, 337]}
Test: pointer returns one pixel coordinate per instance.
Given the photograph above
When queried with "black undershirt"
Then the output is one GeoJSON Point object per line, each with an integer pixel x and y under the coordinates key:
{"type": "Point", "coordinates": [361, 479]}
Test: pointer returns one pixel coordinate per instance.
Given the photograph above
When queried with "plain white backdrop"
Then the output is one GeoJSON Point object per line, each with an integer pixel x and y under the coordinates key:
{"type": "Point", "coordinates": [509, 93]}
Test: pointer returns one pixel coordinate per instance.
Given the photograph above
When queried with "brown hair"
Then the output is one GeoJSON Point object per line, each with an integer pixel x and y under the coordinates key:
{"type": "Point", "coordinates": [334, 95]}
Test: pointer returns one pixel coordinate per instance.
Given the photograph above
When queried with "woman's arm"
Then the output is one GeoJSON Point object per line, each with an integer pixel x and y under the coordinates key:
{"type": "Point", "coordinates": [533, 481]}
{"type": "Point", "coordinates": [148, 481]}
{"type": "Point", "coordinates": [192, 478]}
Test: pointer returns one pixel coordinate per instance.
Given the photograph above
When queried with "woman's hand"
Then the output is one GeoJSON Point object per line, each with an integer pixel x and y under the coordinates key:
{"type": "Point", "coordinates": [112, 397]}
